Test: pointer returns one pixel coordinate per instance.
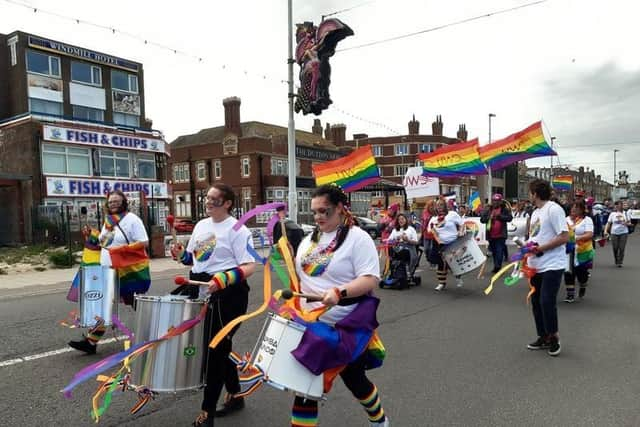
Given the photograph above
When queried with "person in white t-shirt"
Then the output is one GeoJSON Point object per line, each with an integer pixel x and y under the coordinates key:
{"type": "Point", "coordinates": [617, 229]}
{"type": "Point", "coordinates": [339, 262]}
{"type": "Point", "coordinates": [220, 256]}
{"type": "Point", "coordinates": [580, 251]}
{"type": "Point", "coordinates": [405, 236]}
{"type": "Point", "coordinates": [446, 227]}
{"type": "Point", "coordinates": [549, 232]}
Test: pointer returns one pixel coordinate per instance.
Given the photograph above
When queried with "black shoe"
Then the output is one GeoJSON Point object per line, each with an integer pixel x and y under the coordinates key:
{"type": "Point", "coordinates": [554, 346]}
{"type": "Point", "coordinates": [539, 344]}
{"type": "Point", "coordinates": [582, 291]}
{"type": "Point", "coordinates": [570, 298]}
{"type": "Point", "coordinates": [232, 404]}
{"type": "Point", "coordinates": [83, 345]}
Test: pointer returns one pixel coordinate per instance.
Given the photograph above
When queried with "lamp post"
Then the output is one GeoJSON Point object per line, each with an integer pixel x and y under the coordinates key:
{"type": "Point", "coordinates": [615, 150]}
{"type": "Point", "coordinates": [490, 177]}
{"type": "Point", "coordinates": [291, 138]}
{"type": "Point", "coordinates": [553, 138]}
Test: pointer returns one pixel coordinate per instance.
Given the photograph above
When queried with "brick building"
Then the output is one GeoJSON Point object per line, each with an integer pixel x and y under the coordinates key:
{"type": "Point", "coordinates": [583, 179]}
{"type": "Point", "coordinates": [72, 126]}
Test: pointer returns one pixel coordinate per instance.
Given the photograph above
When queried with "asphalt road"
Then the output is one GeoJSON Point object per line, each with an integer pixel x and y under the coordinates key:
{"type": "Point", "coordinates": [456, 358]}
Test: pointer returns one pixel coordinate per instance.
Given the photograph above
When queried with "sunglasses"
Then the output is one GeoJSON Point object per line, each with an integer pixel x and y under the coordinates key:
{"type": "Point", "coordinates": [216, 202]}
{"type": "Point", "coordinates": [325, 212]}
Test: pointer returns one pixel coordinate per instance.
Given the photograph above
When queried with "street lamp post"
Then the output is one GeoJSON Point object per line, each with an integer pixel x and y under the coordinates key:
{"type": "Point", "coordinates": [490, 177]}
{"type": "Point", "coordinates": [615, 150]}
{"type": "Point", "coordinates": [553, 138]}
{"type": "Point", "coordinates": [291, 138]}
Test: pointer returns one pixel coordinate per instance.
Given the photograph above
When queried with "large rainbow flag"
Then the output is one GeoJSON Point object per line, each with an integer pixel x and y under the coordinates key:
{"type": "Point", "coordinates": [521, 145]}
{"type": "Point", "coordinates": [459, 159]}
{"type": "Point", "coordinates": [132, 264]}
{"type": "Point", "coordinates": [562, 182]}
{"type": "Point", "coordinates": [351, 172]}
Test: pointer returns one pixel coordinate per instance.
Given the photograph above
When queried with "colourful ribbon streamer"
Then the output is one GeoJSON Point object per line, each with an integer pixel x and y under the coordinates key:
{"type": "Point", "coordinates": [497, 276]}
{"type": "Point", "coordinates": [118, 324]}
{"type": "Point", "coordinates": [256, 211]}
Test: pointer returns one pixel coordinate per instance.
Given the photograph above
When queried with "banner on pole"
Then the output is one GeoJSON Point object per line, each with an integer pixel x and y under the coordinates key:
{"type": "Point", "coordinates": [416, 185]}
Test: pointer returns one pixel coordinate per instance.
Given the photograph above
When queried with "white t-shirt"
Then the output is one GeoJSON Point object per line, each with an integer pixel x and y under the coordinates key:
{"type": "Point", "coordinates": [447, 232]}
{"type": "Point", "coordinates": [583, 227]}
{"type": "Point", "coordinates": [410, 232]}
{"type": "Point", "coordinates": [546, 223]}
{"type": "Point", "coordinates": [357, 256]}
{"type": "Point", "coordinates": [133, 226]}
{"type": "Point", "coordinates": [617, 221]}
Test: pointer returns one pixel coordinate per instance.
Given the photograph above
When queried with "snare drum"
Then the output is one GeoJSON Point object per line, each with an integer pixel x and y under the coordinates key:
{"type": "Point", "coordinates": [463, 255]}
{"type": "Point", "coordinates": [99, 295]}
{"type": "Point", "coordinates": [272, 354]}
{"type": "Point", "coordinates": [176, 364]}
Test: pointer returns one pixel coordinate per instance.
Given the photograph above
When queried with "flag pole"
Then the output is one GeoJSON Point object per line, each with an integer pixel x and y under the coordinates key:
{"type": "Point", "coordinates": [291, 138]}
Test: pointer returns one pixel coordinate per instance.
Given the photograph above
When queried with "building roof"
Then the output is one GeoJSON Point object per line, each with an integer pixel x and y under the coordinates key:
{"type": "Point", "coordinates": [251, 129]}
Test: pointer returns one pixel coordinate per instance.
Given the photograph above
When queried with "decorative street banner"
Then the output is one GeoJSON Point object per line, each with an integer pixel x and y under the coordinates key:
{"type": "Point", "coordinates": [107, 140]}
{"type": "Point", "coordinates": [519, 146]}
{"type": "Point", "coordinates": [315, 45]}
{"type": "Point", "coordinates": [351, 172]}
{"type": "Point", "coordinates": [61, 186]}
{"type": "Point", "coordinates": [459, 159]}
{"type": "Point", "coordinates": [417, 185]}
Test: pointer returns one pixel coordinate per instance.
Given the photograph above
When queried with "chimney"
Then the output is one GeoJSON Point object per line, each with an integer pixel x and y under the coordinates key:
{"type": "Point", "coordinates": [232, 116]}
{"type": "Point", "coordinates": [414, 126]}
{"type": "Point", "coordinates": [327, 131]}
{"type": "Point", "coordinates": [462, 132]}
{"type": "Point", "coordinates": [436, 127]}
{"type": "Point", "coordinates": [339, 134]}
{"type": "Point", "coordinates": [360, 136]}
{"type": "Point", "coordinates": [317, 127]}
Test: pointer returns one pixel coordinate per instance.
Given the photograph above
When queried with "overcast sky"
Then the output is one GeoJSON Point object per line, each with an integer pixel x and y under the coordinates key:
{"type": "Point", "coordinates": [572, 63]}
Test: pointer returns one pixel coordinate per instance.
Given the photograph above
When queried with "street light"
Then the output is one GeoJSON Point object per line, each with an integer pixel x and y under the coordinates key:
{"type": "Point", "coordinates": [291, 137]}
{"type": "Point", "coordinates": [553, 138]}
{"type": "Point", "coordinates": [615, 150]}
{"type": "Point", "coordinates": [490, 178]}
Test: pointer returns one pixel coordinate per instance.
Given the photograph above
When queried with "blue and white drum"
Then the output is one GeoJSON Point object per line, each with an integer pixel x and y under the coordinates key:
{"type": "Point", "coordinates": [99, 295]}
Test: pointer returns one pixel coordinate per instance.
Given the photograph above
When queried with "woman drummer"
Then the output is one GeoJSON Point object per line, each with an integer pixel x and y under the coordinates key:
{"type": "Point", "coordinates": [446, 227]}
{"type": "Point", "coordinates": [219, 255]}
{"type": "Point", "coordinates": [339, 262]}
{"type": "Point", "coordinates": [580, 256]}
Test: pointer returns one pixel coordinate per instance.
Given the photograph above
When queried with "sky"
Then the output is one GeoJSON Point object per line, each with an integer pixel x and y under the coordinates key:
{"type": "Point", "coordinates": [572, 63]}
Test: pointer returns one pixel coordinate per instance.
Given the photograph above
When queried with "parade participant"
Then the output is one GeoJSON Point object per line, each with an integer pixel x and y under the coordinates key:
{"type": "Point", "coordinates": [339, 262]}
{"type": "Point", "coordinates": [427, 234]}
{"type": "Point", "coordinates": [218, 255]}
{"type": "Point", "coordinates": [405, 235]}
{"type": "Point", "coordinates": [387, 223]}
{"type": "Point", "coordinates": [463, 211]}
{"type": "Point", "coordinates": [289, 228]}
{"type": "Point", "coordinates": [580, 256]}
{"type": "Point", "coordinates": [520, 210]}
{"type": "Point", "coordinates": [549, 234]}
{"type": "Point", "coordinates": [121, 227]}
{"type": "Point", "coordinates": [617, 229]}
{"type": "Point", "coordinates": [496, 218]}
{"type": "Point", "coordinates": [446, 227]}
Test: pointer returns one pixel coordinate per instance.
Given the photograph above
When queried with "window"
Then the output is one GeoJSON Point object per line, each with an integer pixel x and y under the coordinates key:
{"type": "Point", "coordinates": [377, 150]}
{"type": "Point", "coordinates": [217, 169]}
{"type": "Point", "coordinates": [114, 163]}
{"type": "Point", "coordinates": [45, 107]}
{"type": "Point", "coordinates": [182, 205]}
{"type": "Point", "coordinates": [425, 148]}
{"type": "Point", "coordinates": [88, 113]}
{"type": "Point", "coordinates": [400, 170]}
{"type": "Point", "coordinates": [280, 167]}
{"type": "Point", "coordinates": [145, 166]}
{"type": "Point", "coordinates": [245, 169]}
{"type": "Point", "coordinates": [126, 119]}
{"type": "Point", "coordinates": [402, 149]}
{"type": "Point", "coordinates": [86, 73]}
{"type": "Point", "coordinates": [181, 172]}
{"type": "Point", "coordinates": [12, 43]}
{"type": "Point", "coordinates": [124, 81]}
{"type": "Point", "coordinates": [419, 162]}
{"type": "Point", "coordinates": [246, 199]}
{"type": "Point", "coordinates": [377, 194]}
{"type": "Point", "coordinates": [398, 193]}
{"type": "Point", "coordinates": [58, 159]}
{"type": "Point", "coordinates": [42, 63]}
{"type": "Point", "coordinates": [201, 171]}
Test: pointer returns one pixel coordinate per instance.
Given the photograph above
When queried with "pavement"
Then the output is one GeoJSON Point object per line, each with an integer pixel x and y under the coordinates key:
{"type": "Point", "coordinates": [454, 358]}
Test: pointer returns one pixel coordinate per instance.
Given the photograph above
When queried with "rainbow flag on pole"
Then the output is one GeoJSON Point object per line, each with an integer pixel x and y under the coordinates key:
{"type": "Point", "coordinates": [474, 201]}
{"type": "Point", "coordinates": [351, 172]}
{"type": "Point", "coordinates": [562, 182]}
{"type": "Point", "coordinates": [459, 159]}
{"type": "Point", "coordinates": [521, 145]}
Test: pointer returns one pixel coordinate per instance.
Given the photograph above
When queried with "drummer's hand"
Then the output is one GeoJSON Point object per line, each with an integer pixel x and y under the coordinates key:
{"type": "Point", "coordinates": [213, 287]}
{"type": "Point", "coordinates": [331, 297]}
{"type": "Point", "coordinates": [177, 250]}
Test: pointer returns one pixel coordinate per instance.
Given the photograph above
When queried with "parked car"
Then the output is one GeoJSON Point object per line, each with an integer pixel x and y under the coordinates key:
{"type": "Point", "coordinates": [183, 225]}
{"type": "Point", "coordinates": [368, 225]}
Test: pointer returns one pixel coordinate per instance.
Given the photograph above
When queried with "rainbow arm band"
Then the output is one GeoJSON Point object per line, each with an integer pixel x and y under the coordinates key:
{"type": "Point", "coordinates": [186, 258]}
{"type": "Point", "coordinates": [227, 278]}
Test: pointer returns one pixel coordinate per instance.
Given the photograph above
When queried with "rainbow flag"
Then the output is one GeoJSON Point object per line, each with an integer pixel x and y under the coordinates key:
{"type": "Point", "coordinates": [132, 263]}
{"type": "Point", "coordinates": [351, 172]}
{"type": "Point", "coordinates": [562, 182]}
{"type": "Point", "coordinates": [521, 145]}
{"type": "Point", "coordinates": [474, 201]}
{"type": "Point", "coordinates": [459, 159]}
{"type": "Point", "coordinates": [90, 256]}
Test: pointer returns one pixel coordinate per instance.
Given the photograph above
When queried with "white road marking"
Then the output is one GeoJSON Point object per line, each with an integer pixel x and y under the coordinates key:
{"type": "Point", "coordinates": [51, 353]}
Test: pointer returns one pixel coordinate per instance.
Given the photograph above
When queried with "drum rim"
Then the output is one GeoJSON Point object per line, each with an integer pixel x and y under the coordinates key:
{"type": "Point", "coordinates": [168, 299]}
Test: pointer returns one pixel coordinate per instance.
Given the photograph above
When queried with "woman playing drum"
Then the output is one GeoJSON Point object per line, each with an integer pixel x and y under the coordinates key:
{"type": "Point", "coordinates": [446, 226]}
{"type": "Point", "coordinates": [219, 255]}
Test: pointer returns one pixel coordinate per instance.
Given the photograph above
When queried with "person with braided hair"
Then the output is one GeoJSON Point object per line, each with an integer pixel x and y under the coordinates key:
{"type": "Point", "coordinates": [339, 262]}
{"type": "Point", "coordinates": [218, 255]}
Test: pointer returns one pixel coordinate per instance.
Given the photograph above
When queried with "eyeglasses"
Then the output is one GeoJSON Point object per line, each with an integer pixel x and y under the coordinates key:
{"type": "Point", "coordinates": [216, 202]}
{"type": "Point", "coordinates": [325, 212]}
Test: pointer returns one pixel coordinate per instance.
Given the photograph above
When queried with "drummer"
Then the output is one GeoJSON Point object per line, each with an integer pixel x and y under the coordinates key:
{"type": "Point", "coordinates": [339, 262]}
{"type": "Point", "coordinates": [219, 255]}
{"type": "Point", "coordinates": [121, 227]}
{"type": "Point", "coordinates": [446, 227]}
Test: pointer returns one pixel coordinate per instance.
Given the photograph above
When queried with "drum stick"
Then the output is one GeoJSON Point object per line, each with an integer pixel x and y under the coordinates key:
{"type": "Point", "coordinates": [179, 280]}
{"type": "Point", "coordinates": [170, 221]}
{"type": "Point", "coordinates": [288, 294]}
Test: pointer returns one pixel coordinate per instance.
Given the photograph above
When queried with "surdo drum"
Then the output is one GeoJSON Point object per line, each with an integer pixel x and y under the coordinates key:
{"type": "Point", "coordinates": [99, 295]}
{"type": "Point", "coordinates": [463, 255]}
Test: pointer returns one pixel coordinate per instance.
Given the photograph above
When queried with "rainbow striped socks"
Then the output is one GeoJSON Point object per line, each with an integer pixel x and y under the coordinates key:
{"type": "Point", "coordinates": [304, 412]}
{"type": "Point", "coordinates": [372, 405]}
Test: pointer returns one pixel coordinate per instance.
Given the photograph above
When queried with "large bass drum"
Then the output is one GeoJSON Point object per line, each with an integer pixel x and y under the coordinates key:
{"type": "Point", "coordinates": [99, 295]}
{"type": "Point", "coordinates": [176, 364]}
